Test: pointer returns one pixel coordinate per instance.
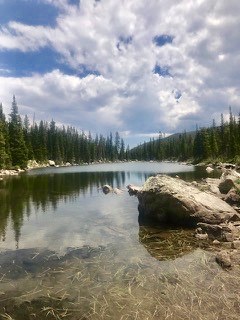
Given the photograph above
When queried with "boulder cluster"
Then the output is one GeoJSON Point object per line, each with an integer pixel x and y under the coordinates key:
{"type": "Point", "coordinates": [212, 206]}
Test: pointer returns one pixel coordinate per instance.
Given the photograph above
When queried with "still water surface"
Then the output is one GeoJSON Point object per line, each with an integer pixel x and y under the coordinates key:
{"type": "Point", "coordinates": [60, 208]}
{"type": "Point", "coordinates": [68, 251]}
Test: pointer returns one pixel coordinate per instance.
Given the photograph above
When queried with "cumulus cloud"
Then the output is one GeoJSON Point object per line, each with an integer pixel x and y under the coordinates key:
{"type": "Point", "coordinates": [159, 65]}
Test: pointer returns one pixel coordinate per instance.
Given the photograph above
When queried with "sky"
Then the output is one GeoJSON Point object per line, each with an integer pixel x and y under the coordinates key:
{"type": "Point", "coordinates": [138, 67]}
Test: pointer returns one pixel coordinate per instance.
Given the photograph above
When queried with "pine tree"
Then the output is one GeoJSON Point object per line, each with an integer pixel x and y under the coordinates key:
{"type": "Point", "coordinates": [6, 156]}
{"type": "Point", "coordinates": [27, 137]}
{"type": "Point", "coordinates": [3, 154]}
{"type": "Point", "coordinates": [16, 138]}
{"type": "Point", "coordinates": [232, 135]}
{"type": "Point", "coordinates": [122, 150]}
{"type": "Point", "coordinates": [117, 145]}
{"type": "Point", "coordinates": [213, 141]}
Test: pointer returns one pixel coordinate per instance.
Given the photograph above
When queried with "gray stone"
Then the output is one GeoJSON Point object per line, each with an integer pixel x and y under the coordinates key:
{"type": "Point", "coordinates": [199, 230]}
{"type": "Point", "coordinates": [232, 197]}
{"type": "Point", "coordinates": [209, 169]}
{"type": "Point", "coordinates": [133, 190]}
{"type": "Point", "coordinates": [227, 245]}
{"type": "Point", "coordinates": [228, 236]}
{"type": "Point", "coordinates": [226, 185]}
{"type": "Point", "coordinates": [51, 163]}
{"type": "Point", "coordinates": [223, 259]}
{"type": "Point", "coordinates": [214, 231]}
{"type": "Point", "coordinates": [168, 199]}
{"type": "Point", "coordinates": [117, 191]}
{"type": "Point", "coordinates": [236, 244]}
{"type": "Point", "coordinates": [201, 236]}
{"type": "Point", "coordinates": [106, 189]}
{"type": "Point", "coordinates": [216, 242]}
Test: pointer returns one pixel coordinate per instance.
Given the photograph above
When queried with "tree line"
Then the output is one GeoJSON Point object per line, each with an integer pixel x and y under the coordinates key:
{"type": "Point", "coordinates": [21, 141]}
{"type": "Point", "coordinates": [216, 143]}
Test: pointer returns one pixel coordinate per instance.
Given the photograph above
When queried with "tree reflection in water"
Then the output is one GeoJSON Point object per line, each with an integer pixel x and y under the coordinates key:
{"type": "Point", "coordinates": [20, 196]}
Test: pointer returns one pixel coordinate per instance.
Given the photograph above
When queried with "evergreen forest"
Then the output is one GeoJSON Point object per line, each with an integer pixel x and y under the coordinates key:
{"type": "Point", "coordinates": [213, 144]}
{"type": "Point", "coordinates": [21, 141]}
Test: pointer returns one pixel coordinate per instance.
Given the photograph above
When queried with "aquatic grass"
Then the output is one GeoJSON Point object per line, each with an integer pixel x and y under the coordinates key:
{"type": "Point", "coordinates": [104, 286]}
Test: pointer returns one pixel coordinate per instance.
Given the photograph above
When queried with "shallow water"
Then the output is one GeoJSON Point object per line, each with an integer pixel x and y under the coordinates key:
{"type": "Point", "coordinates": [68, 251]}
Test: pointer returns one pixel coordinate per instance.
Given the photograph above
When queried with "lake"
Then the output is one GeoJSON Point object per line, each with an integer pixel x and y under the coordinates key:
{"type": "Point", "coordinates": [68, 251]}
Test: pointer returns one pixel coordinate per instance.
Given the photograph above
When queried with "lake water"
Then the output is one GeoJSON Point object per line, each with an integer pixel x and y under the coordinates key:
{"type": "Point", "coordinates": [68, 251]}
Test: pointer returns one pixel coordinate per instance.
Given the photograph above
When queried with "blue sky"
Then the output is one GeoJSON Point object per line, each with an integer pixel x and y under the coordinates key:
{"type": "Point", "coordinates": [136, 67]}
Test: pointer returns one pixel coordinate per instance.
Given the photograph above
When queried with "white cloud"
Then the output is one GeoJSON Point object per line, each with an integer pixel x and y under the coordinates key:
{"type": "Point", "coordinates": [203, 61]}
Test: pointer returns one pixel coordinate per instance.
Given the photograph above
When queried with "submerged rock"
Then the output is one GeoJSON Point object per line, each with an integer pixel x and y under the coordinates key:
{"type": "Point", "coordinates": [222, 232]}
{"type": "Point", "coordinates": [168, 199]}
{"type": "Point", "coordinates": [223, 259]}
{"type": "Point", "coordinates": [117, 191]}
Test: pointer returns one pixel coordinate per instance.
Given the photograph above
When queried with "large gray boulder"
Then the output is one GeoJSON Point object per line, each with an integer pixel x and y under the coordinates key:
{"type": "Point", "coordinates": [168, 199]}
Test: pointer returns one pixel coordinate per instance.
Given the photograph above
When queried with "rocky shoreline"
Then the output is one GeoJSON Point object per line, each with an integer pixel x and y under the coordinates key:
{"type": "Point", "coordinates": [33, 164]}
{"type": "Point", "coordinates": [211, 206]}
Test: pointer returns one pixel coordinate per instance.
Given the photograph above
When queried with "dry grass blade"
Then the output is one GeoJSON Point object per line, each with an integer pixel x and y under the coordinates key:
{"type": "Point", "coordinates": [6, 316]}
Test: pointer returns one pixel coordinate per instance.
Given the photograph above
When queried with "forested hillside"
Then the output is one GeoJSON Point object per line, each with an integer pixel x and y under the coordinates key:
{"type": "Point", "coordinates": [217, 143]}
{"type": "Point", "coordinates": [21, 141]}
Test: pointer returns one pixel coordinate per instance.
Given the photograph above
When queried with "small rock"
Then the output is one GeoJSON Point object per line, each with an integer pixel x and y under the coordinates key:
{"type": "Point", "coordinates": [236, 244]}
{"type": "Point", "coordinates": [194, 183]}
{"type": "Point", "coordinates": [117, 191]}
{"type": "Point", "coordinates": [227, 245]}
{"type": "Point", "coordinates": [226, 185]}
{"type": "Point", "coordinates": [201, 236]}
{"type": "Point", "coordinates": [232, 197]}
{"type": "Point", "coordinates": [216, 242]}
{"type": "Point", "coordinates": [228, 236]}
{"type": "Point", "coordinates": [214, 231]}
{"type": "Point", "coordinates": [209, 169]}
{"type": "Point", "coordinates": [106, 189]}
{"type": "Point", "coordinates": [223, 259]}
{"type": "Point", "coordinates": [51, 163]}
{"type": "Point", "coordinates": [199, 230]}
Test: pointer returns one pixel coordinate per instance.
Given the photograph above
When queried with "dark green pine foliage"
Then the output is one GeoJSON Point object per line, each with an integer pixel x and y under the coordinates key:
{"type": "Point", "coordinates": [3, 154]}
{"type": "Point", "coordinates": [54, 143]}
{"type": "Point", "coordinates": [122, 150]}
{"type": "Point", "coordinates": [18, 149]}
{"type": "Point", "coordinates": [27, 137]}
{"type": "Point", "coordinates": [217, 143]}
{"type": "Point", "coordinates": [44, 141]}
{"type": "Point", "coordinates": [214, 141]}
{"type": "Point", "coordinates": [233, 131]}
{"type": "Point", "coordinates": [5, 157]}
{"type": "Point", "coordinates": [117, 146]}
